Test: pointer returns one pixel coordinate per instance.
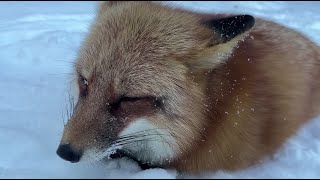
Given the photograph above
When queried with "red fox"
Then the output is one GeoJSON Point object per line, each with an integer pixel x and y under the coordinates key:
{"type": "Point", "coordinates": [196, 92]}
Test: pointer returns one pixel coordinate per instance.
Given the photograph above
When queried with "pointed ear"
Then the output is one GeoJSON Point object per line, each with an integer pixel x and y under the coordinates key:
{"type": "Point", "coordinates": [230, 27]}
{"type": "Point", "coordinates": [227, 33]}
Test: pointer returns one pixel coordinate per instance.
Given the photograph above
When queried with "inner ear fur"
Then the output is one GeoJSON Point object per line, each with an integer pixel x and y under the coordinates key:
{"type": "Point", "coordinates": [227, 32]}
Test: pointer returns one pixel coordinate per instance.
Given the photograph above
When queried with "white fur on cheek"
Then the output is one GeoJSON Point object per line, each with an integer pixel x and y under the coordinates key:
{"type": "Point", "coordinates": [150, 143]}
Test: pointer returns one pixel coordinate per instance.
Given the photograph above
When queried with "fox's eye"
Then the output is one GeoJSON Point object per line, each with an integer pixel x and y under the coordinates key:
{"type": "Point", "coordinates": [126, 106]}
{"type": "Point", "coordinates": [83, 86]}
{"type": "Point", "coordinates": [85, 82]}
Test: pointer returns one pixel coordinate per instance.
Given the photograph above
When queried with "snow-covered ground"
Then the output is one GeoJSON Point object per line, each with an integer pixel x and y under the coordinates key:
{"type": "Point", "coordinates": [38, 42]}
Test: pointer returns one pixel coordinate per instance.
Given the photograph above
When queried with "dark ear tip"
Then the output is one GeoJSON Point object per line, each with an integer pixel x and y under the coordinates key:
{"type": "Point", "coordinates": [250, 20]}
{"type": "Point", "coordinates": [232, 26]}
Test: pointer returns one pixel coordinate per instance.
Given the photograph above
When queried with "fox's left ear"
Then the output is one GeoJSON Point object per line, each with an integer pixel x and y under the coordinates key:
{"type": "Point", "coordinates": [230, 27]}
{"type": "Point", "coordinates": [103, 6]}
{"type": "Point", "coordinates": [227, 33]}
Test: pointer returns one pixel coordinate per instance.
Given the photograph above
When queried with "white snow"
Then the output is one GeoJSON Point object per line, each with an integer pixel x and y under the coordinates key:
{"type": "Point", "coordinates": [38, 43]}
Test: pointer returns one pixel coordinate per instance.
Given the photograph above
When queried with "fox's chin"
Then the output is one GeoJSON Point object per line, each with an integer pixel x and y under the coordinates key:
{"type": "Point", "coordinates": [123, 154]}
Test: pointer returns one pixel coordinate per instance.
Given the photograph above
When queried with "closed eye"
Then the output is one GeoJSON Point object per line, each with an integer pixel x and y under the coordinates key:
{"type": "Point", "coordinates": [125, 102]}
{"type": "Point", "coordinates": [122, 99]}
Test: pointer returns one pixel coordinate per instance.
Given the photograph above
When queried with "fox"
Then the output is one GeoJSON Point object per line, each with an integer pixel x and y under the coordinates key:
{"type": "Point", "coordinates": [178, 89]}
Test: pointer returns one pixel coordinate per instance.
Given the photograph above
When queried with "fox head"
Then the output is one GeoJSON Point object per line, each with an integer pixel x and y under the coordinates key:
{"type": "Point", "coordinates": [141, 81]}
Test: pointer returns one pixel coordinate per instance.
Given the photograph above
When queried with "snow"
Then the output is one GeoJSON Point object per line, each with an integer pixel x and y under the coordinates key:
{"type": "Point", "coordinates": [39, 41]}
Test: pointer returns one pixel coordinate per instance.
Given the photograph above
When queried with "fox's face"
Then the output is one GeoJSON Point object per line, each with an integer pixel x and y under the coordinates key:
{"type": "Point", "coordinates": [140, 81]}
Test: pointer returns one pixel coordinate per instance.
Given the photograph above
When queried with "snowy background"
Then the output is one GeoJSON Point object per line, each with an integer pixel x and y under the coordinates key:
{"type": "Point", "coordinates": [39, 41]}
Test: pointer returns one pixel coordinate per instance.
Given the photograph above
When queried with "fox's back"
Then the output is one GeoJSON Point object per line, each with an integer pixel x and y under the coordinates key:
{"type": "Point", "coordinates": [260, 97]}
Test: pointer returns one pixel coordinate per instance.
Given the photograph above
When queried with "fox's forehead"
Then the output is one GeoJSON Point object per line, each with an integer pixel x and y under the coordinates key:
{"type": "Point", "coordinates": [137, 45]}
{"type": "Point", "coordinates": [132, 33]}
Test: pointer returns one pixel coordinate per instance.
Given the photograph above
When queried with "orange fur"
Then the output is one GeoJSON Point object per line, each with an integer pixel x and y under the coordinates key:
{"type": "Point", "coordinates": [226, 111]}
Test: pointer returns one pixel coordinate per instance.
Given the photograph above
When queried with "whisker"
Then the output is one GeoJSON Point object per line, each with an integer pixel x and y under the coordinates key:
{"type": "Point", "coordinates": [101, 155]}
{"type": "Point", "coordinates": [143, 135]}
{"type": "Point", "coordinates": [58, 74]}
{"type": "Point", "coordinates": [65, 61]}
{"type": "Point", "coordinates": [136, 136]}
{"type": "Point", "coordinates": [74, 63]}
{"type": "Point", "coordinates": [142, 140]}
{"type": "Point", "coordinates": [134, 139]}
{"type": "Point", "coordinates": [70, 104]}
{"type": "Point", "coordinates": [67, 109]}
{"type": "Point", "coordinates": [63, 120]}
{"type": "Point", "coordinates": [131, 138]}
{"type": "Point", "coordinates": [146, 131]}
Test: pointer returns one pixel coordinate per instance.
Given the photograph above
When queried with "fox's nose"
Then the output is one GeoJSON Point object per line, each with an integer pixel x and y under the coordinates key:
{"type": "Point", "coordinates": [66, 152]}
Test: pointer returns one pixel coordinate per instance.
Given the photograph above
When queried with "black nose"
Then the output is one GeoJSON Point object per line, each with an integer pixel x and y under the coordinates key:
{"type": "Point", "coordinates": [67, 153]}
